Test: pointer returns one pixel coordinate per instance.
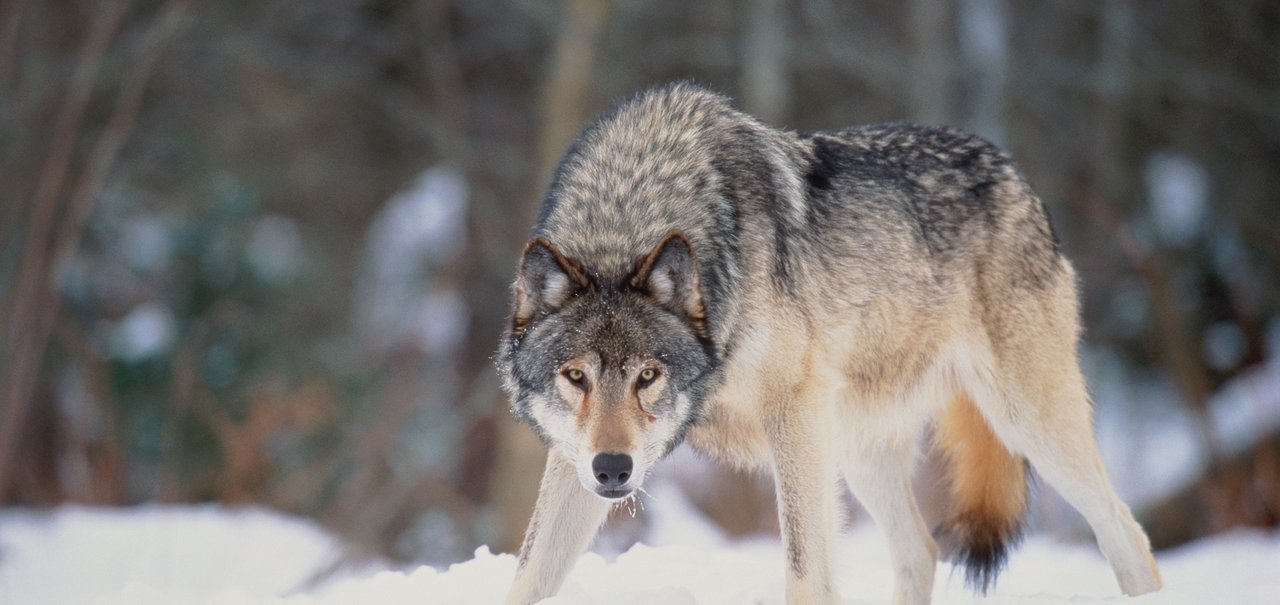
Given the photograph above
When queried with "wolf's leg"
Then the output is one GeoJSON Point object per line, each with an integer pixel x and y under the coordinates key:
{"type": "Point", "coordinates": [565, 519]}
{"type": "Point", "coordinates": [879, 475]}
{"type": "Point", "coordinates": [1056, 435]}
{"type": "Point", "coordinates": [799, 429]}
{"type": "Point", "coordinates": [1039, 407]}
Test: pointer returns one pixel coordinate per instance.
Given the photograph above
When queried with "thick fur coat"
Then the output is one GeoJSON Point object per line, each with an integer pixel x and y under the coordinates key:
{"type": "Point", "coordinates": [806, 303]}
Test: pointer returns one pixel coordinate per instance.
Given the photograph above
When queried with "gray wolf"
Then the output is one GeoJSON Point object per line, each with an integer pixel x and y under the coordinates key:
{"type": "Point", "coordinates": [807, 303]}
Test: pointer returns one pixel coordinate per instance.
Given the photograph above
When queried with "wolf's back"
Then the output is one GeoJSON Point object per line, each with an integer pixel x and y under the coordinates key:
{"type": "Point", "coordinates": [959, 196]}
{"type": "Point", "coordinates": [894, 208]}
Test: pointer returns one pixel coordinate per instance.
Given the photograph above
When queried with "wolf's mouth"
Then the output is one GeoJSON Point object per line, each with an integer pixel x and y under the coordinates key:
{"type": "Point", "coordinates": [613, 494]}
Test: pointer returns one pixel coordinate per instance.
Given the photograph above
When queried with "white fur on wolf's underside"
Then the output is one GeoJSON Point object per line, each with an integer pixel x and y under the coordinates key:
{"type": "Point", "coordinates": [1233, 568]}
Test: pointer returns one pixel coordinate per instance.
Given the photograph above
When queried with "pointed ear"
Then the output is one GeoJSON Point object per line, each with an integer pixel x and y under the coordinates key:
{"type": "Point", "coordinates": [669, 274]}
{"type": "Point", "coordinates": [546, 281]}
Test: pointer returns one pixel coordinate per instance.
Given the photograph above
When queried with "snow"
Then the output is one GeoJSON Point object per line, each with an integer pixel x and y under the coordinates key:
{"type": "Point", "coordinates": [417, 232]}
{"type": "Point", "coordinates": [144, 241]}
{"type": "Point", "coordinates": [1178, 193]}
{"type": "Point", "coordinates": [148, 330]}
{"type": "Point", "coordinates": [1157, 449]}
{"type": "Point", "coordinates": [77, 553]}
{"type": "Point", "coordinates": [207, 555]}
{"type": "Point", "coordinates": [275, 248]}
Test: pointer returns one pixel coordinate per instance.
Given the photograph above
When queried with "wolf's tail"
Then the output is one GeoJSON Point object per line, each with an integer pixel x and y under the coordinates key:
{"type": "Point", "coordinates": [988, 488]}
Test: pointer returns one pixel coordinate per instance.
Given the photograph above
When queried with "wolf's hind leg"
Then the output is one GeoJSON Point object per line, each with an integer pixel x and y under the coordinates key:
{"type": "Point", "coordinates": [879, 475]}
{"type": "Point", "coordinates": [565, 519]}
{"type": "Point", "coordinates": [1037, 404]}
{"type": "Point", "coordinates": [1056, 435]}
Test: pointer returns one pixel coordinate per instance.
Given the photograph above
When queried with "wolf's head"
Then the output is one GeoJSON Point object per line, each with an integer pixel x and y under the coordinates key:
{"type": "Point", "coordinates": [609, 371]}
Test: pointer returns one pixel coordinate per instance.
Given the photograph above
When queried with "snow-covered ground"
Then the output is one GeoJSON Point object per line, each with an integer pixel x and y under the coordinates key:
{"type": "Point", "coordinates": [75, 554]}
{"type": "Point", "coordinates": [215, 556]}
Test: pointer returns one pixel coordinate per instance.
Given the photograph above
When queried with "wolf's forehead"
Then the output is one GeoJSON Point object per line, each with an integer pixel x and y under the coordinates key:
{"type": "Point", "coordinates": [609, 359]}
{"type": "Point", "coordinates": [612, 339]}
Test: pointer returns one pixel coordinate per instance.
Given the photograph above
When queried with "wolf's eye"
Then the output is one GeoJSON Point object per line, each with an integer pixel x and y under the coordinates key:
{"type": "Point", "coordinates": [647, 376]}
{"type": "Point", "coordinates": [575, 376]}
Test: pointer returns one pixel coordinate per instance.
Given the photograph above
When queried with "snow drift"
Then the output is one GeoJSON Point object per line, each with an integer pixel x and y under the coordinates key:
{"type": "Point", "coordinates": [214, 556]}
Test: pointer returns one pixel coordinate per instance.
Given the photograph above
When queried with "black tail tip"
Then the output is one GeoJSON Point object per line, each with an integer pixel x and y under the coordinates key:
{"type": "Point", "coordinates": [982, 548]}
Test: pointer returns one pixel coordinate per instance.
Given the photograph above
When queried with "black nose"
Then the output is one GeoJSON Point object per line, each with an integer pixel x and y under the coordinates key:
{"type": "Point", "coordinates": [612, 470]}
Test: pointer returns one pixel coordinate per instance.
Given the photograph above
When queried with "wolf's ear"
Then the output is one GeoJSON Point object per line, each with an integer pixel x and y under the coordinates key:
{"type": "Point", "coordinates": [546, 281]}
{"type": "Point", "coordinates": [669, 274]}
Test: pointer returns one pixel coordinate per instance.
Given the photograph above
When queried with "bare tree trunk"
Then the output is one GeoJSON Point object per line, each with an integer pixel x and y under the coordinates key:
{"type": "Point", "coordinates": [1114, 78]}
{"type": "Point", "coordinates": [565, 96]}
{"type": "Point", "coordinates": [983, 38]}
{"type": "Point", "coordinates": [565, 106]}
{"type": "Point", "coordinates": [765, 91]}
{"type": "Point", "coordinates": [930, 84]}
{"type": "Point", "coordinates": [12, 17]}
{"type": "Point", "coordinates": [33, 296]}
{"type": "Point", "coordinates": [38, 304]}
{"type": "Point", "coordinates": [1112, 176]}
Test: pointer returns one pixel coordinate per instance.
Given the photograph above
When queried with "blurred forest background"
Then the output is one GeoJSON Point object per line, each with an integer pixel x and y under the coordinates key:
{"type": "Point", "coordinates": [259, 251]}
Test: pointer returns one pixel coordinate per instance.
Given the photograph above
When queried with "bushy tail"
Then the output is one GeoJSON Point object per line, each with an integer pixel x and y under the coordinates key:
{"type": "Point", "coordinates": [988, 488]}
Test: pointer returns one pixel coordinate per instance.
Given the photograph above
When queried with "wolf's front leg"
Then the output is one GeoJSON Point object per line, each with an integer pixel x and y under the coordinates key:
{"type": "Point", "coordinates": [800, 432]}
{"type": "Point", "coordinates": [565, 519]}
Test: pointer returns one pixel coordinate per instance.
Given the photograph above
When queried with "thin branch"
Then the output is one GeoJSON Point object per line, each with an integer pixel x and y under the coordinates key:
{"type": "Point", "coordinates": [118, 129]}
{"type": "Point", "coordinates": [1172, 324]}
{"type": "Point", "coordinates": [25, 344]}
{"type": "Point", "coordinates": [39, 326]}
{"type": "Point", "coordinates": [11, 13]}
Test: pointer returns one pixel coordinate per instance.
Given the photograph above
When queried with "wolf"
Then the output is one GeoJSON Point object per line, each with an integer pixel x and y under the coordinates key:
{"type": "Point", "coordinates": [808, 303]}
